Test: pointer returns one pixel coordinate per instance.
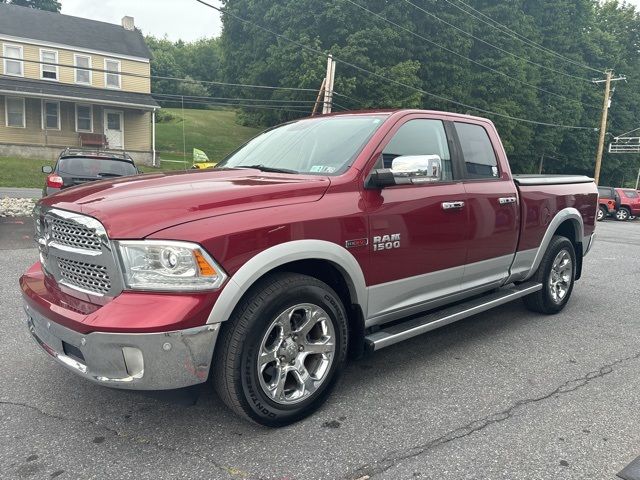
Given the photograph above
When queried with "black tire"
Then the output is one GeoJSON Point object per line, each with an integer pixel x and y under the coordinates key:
{"type": "Point", "coordinates": [235, 374]}
{"type": "Point", "coordinates": [623, 214]}
{"type": "Point", "coordinates": [543, 300]}
{"type": "Point", "coordinates": [602, 213]}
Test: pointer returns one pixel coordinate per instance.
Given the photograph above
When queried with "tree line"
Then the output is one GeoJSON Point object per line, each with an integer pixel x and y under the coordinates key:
{"type": "Point", "coordinates": [530, 64]}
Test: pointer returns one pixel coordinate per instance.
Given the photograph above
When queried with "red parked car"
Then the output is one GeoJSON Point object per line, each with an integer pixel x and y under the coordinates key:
{"type": "Point", "coordinates": [609, 202]}
{"type": "Point", "coordinates": [318, 238]}
{"type": "Point", "coordinates": [629, 204]}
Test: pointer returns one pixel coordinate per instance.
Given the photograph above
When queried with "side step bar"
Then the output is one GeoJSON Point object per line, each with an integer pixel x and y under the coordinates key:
{"type": "Point", "coordinates": [417, 326]}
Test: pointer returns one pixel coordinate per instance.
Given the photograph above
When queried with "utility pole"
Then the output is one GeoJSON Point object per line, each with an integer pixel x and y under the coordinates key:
{"type": "Point", "coordinates": [603, 121]}
{"type": "Point", "coordinates": [328, 85]}
{"type": "Point", "coordinates": [541, 166]}
{"type": "Point", "coordinates": [320, 94]}
{"type": "Point", "coordinates": [638, 179]}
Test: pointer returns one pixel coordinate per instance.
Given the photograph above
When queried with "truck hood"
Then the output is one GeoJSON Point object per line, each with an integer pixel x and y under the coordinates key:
{"type": "Point", "coordinates": [135, 207]}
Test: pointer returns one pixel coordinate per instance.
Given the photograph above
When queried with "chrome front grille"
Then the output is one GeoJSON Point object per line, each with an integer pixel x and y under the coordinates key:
{"type": "Point", "coordinates": [94, 278]}
{"type": "Point", "coordinates": [76, 252]}
{"type": "Point", "coordinates": [73, 234]}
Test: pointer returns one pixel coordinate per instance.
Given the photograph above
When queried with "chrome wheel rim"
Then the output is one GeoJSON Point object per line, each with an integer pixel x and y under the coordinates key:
{"type": "Point", "coordinates": [622, 215]}
{"type": "Point", "coordinates": [600, 214]}
{"type": "Point", "coordinates": [560, 277]}
{"type": "Point", "coordinates": [296, 353]}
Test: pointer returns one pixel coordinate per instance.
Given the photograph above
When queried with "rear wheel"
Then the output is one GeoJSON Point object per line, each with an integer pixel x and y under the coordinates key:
{"type": "Point", "coordinates": [623, 214]}
{"type": "Point", "coordinates": [557, 273]}
{"type": "Point", "coordinates": [602, 213]}
{"type": "Point", "coordinates": [282, 351]}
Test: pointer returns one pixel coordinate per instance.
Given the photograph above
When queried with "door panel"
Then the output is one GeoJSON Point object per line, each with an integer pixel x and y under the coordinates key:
{"type": "Point", "coordinates": [114, 129]}
{"type": "Point", "coordinates": [493, 209]}
{"type": "Point", "coordinates": [418, 248]}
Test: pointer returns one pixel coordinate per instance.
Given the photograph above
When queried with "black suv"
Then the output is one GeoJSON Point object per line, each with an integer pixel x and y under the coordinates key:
{"type": "Point", "coordinates": [77, 166]}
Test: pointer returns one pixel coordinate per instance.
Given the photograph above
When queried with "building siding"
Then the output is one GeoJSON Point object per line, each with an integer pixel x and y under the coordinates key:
{"type": "Point", "coordinates": [137, 127]}
{"type": "Point", "coordinates": [67, 74]}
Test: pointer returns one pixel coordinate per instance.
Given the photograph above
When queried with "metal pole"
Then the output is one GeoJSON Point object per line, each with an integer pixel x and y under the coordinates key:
{"type": "Point", "coordinates": [184, 143]}
{"type": "Point", "coordinates": [603, 127]}
{"type": "Point", "coordinates": [153, 137]}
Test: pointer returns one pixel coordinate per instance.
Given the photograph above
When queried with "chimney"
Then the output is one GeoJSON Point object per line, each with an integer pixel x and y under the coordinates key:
{"type": "Point", "coordinates": [128, 23]}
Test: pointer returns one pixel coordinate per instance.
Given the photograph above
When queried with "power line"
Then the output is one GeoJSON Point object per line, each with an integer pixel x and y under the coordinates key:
{"type": "Point", "coordinates": [263, 100]}
{"type": "Point", "coordinates": [391, 80]}
{"type": "Point", "coordinates": [161, 77]}
{"type": "Point", "coordinates": [513, 34]}
{"type": "Point", "coordinates": [283, 108]}
{"type": "Point", "coordinates": [495, 46]}
{"type": "Point", "coordinates": [464, 57]}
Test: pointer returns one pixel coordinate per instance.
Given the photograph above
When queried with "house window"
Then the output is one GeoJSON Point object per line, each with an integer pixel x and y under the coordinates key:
{"type": "Point", "coordinates": [48, 72]}
{"type": "Point", "coordinates": [11, 66]}
{"type": "Point", "coordinates": [82, 62]}
{"type": "Point", "coordinates": [50, 115]}
{"type": "Point", "coordinates": [112, 80]}
{"type": "Point", "coordinates": [14, 112]}
{"type": "Point", "coordinates": [84, 118]}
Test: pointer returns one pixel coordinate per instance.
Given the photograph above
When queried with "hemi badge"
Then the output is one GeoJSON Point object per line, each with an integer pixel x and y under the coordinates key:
{"type": "Point", "coordinates": [360, 242]}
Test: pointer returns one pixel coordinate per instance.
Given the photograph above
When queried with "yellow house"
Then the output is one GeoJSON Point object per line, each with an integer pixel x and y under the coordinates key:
{"type": "Point", "coordinates": [71, 82]}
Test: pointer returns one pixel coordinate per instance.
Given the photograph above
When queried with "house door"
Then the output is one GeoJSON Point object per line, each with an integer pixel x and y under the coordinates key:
{"type": "Point", "coordinates": [114, 128]}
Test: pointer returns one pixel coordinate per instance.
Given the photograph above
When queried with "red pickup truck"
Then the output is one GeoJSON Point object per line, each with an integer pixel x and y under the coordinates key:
{"type": "Point", "coordinates": [318, 238]}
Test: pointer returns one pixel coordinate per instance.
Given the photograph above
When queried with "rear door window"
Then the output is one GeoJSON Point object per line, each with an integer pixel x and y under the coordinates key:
{"type": "Point", "coordinates": [630, 193]}
{"type": "Point", "coordinates": [479, 157]}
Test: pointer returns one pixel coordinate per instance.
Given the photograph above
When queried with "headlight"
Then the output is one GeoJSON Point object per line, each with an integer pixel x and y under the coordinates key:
{"type": "Point", "coordinates": [166, 265]}
{"type": "Point", "coordinates": [37, 221]}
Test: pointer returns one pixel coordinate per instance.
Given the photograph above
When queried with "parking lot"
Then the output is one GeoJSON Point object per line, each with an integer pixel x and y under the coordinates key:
{"type": "Point", "coordinates": [506, 394]}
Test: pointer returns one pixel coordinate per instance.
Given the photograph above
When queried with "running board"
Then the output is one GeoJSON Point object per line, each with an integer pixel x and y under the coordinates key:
{"type": "Point", "coordinates": [417, 326]}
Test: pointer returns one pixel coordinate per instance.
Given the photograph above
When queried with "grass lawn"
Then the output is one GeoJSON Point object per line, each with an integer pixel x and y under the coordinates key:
{"type": "Point", "coordinates": [213, 131]}
{"type": "Point", "coordinates": [22, 172]}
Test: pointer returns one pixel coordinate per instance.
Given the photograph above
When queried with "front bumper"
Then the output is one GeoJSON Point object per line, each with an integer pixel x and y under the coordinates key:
{"type": "Point", "coordinates": [137, 361]}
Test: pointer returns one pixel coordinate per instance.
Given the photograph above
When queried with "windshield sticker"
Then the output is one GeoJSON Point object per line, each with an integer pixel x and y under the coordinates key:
{"type": "Point", "coordinates": [322, 169]}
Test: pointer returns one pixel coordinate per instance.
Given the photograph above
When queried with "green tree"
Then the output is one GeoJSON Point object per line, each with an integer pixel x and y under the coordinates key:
{"type": "Point", "coordinates": [48, 5]}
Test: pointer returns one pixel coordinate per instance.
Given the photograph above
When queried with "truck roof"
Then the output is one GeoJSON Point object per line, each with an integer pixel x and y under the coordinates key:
{"type": "Point", "coordinates": [407, 111]}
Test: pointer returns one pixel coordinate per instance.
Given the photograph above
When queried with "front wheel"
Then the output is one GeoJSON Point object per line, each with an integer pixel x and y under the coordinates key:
{"type": "Point", "coordinates": [623, 214]}
{"type": "Point", "coordinates": [556, 273]}
{"type": "Point", "coordinates": [281, 352]}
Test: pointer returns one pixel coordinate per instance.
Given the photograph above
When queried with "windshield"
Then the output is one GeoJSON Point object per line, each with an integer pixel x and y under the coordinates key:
{"type": "Point", "coordinates": [323, 146]}
{"type": "Point", "coordinates": [95, 167]}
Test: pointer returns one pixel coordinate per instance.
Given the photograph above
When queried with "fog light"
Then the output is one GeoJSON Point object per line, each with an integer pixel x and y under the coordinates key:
{"type": "Point", "coordinates": [133, 361]}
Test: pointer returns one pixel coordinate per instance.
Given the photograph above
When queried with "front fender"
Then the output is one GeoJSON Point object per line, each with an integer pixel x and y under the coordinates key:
{"type": "Point", "coordinates": [284, 253]}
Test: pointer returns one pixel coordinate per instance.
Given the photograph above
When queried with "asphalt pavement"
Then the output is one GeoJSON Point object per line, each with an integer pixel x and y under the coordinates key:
{"type": "Point", "coordinates": [12, 192]}
{"type": "Point", "coordinates": [507, 394]}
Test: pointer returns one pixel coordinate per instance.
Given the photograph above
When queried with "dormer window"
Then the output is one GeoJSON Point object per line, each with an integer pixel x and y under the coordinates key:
{"type": "Point", "coordinates": [13, 64]}
{"type": "Point", "coordinates": [47, 71]}
{"type": "Point", "coordinates": [83, 62]}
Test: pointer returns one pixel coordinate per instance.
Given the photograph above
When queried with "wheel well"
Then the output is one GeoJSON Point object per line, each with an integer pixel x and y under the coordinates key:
{"type": "Point", "coordinates": [570, 230]}
{"type": "Point", "coordinates": [333, 276]}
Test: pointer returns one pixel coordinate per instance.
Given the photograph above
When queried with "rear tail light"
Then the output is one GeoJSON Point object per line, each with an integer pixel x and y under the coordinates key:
{"type": "Point", "coordinates": [54, 181]}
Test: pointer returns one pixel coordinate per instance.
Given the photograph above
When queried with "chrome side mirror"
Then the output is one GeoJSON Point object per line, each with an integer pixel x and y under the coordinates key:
{"type": "Point", "coordinates": [406, 170]}
{"type": "Point", "coordinates": [418, 168]}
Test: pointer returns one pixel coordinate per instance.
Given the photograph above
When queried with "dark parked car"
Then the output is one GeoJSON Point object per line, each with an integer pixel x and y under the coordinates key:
{"type": "Point", "coordinates": [78, 166]}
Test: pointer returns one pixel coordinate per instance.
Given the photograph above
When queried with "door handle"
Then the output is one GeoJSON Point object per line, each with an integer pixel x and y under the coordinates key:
{"type": "Point", "coordinates": [452, 205]}
{"type": "Point", "coordinates": [507, 200]}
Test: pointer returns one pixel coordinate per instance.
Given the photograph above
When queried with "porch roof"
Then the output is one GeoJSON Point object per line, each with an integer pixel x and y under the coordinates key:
{"type": "Point", "coordinates": [75, 93]}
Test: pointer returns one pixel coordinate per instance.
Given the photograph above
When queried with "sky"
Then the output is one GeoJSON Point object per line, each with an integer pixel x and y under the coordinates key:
{"type": "Point", "coordinates": [178, 19]}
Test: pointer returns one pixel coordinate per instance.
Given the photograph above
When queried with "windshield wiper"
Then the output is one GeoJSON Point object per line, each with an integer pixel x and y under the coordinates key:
{"type": "Point", "coordinates": [264, 168]}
